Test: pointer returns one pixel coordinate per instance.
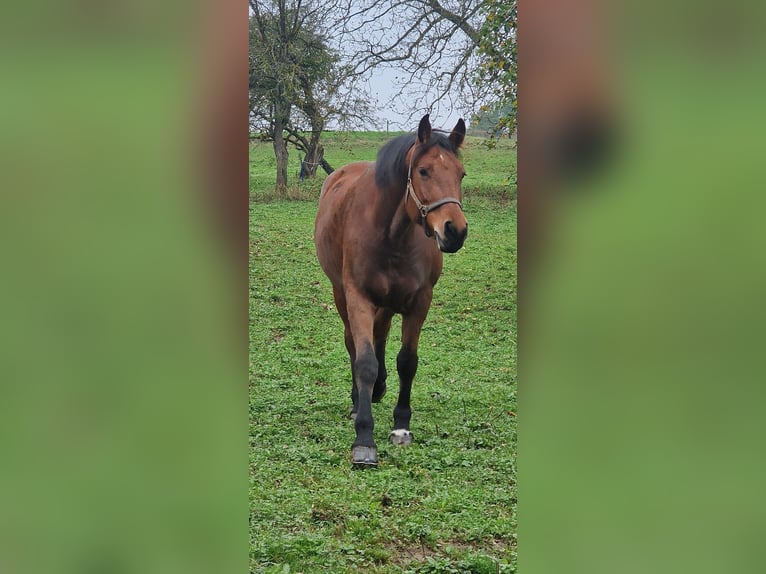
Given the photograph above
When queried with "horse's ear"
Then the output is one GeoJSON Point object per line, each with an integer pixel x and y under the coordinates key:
{"type": "Point", "coordinates": [424, 129]}
{"type": "Point", "coordinates": [458, 134]}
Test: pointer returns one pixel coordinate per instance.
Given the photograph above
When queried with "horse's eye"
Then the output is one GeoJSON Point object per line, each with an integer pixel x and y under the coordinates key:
{"type": "Point", "coordinates": [423, 172]}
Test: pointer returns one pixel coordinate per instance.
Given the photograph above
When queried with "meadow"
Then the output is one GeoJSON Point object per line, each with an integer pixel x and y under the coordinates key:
{"type": "Point", "coordinates": [490, 173]}
{"type": "Point", "coordinates": [448, 502]}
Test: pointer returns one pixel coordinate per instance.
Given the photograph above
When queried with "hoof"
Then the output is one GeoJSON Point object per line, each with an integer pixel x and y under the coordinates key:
{"type": "Point", "coordinates": [363, 456]}
{"type": "Point", "coordinates": [400, 437]}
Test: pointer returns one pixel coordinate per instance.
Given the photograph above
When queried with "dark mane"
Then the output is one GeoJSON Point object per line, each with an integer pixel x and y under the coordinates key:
{"type": "Point", "coordinates": [391, 165]}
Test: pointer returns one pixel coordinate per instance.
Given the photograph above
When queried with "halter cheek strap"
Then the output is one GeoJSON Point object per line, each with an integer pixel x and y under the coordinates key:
{"type": "Point", "coordinates": [425, 209]}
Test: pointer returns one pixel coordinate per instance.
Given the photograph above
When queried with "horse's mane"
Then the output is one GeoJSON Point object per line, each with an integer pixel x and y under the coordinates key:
{"type": "Point", "coordinates": [391, 165]}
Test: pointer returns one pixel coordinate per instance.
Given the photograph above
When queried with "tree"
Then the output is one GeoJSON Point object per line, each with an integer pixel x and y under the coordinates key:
{"type": "Point", "coordinates": [306, 56]}
{"type": "Point", "coordinates": [485, 121]}
{"type": "Point", "coordinates": [327, 93]}
{"type": "Point", "coordinates": [498, 57]}
{"type": "Point", "coordinates": [272, 32]}
{"type": "Point", "coordinates": [315, 65]}
{"type": "Point", "coordinates": [297, 83]}
{"type": "Point", "coordinates": [437, 46]}
{"type": "Point", "coordinates": [431, 43]}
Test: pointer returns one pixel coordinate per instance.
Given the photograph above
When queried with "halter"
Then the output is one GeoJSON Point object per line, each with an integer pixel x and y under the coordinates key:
{"type": "Point", "coordinates": [423, 208]}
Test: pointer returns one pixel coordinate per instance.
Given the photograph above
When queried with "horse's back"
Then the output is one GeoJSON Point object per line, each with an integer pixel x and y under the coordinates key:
{"type": "Point", "coordinates": [340, 182]}
{"type": "Point", "coordinates": [329, 228]}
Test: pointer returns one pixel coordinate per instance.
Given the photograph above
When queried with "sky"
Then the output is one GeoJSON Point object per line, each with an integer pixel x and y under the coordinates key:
{"type": "Point", "coordinates": [393, 106]}
{"type": "Point", "coordinates": [382, 87]}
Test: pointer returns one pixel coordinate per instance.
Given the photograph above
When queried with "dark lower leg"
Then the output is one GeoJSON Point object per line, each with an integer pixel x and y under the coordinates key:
{"type": "Point", "coordinates": [406, 365]}
{"type": "Point", "coordinates": [380, 335]}
{"type": "Point", "coordinates": [352, 357]}
{"type": "Point", "coordinates": [365, 372]}
{"type": "Point", "coordinates": [380, 381]}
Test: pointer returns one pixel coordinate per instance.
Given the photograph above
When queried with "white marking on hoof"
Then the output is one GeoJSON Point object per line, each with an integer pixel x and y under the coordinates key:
{"type": "Point", "coordinates": [401, 437]}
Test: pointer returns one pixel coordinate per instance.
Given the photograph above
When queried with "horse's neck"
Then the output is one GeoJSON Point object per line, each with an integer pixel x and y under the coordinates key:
{"type": "Point", "coordinates": [399, 226]}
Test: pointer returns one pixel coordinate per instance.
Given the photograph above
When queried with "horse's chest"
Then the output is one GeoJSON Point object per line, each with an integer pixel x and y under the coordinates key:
{"type": "Point", "coordinates": [397, 289]}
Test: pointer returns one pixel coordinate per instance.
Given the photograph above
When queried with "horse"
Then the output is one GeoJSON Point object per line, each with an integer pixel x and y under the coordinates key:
{"type": "Point", "coordinates": [379, 234]}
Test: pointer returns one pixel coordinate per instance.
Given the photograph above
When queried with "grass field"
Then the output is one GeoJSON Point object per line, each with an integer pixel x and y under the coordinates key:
{"type": "Point", "coordinates": [448, 502]}
{"type": "Point", "coordinates": [490, 173]}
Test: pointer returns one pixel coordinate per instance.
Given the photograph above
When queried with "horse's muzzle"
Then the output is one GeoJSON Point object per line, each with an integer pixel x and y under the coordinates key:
{"type": "Point", "coordinates": [453, 238]}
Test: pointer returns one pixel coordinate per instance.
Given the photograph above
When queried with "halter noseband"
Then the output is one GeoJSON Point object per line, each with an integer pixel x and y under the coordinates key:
{"type": "Point", "coordinates": [423, 208]}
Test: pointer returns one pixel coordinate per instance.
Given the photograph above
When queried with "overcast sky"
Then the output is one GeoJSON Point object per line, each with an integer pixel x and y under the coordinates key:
{"type": "Point", "coordinates": [382, 88]}
{"type": "Point", "coordinates": [393, 105]}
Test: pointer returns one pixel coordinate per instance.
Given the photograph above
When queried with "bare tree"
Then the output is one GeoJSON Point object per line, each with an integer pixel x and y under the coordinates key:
{"type": "Point", "coordinates": [331, 97]}
{"type": "Point", "coordinates": [431, 43]}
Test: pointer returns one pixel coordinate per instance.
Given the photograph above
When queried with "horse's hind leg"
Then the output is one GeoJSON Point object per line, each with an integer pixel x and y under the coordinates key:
{"type": "Point", "coordinates": [380, 334]}
{"type": "Point", "coordinates": [407, 366]}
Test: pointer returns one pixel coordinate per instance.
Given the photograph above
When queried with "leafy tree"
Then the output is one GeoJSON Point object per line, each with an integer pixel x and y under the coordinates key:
{"type": "Point", "coordinates": [297, 83]}
{"type": "Point", "coordinates": [498, 64]}
{"type": "Point", "coordinates": [315, 65]}
{"type": "Point", "coordinates": [485, 121]}
{"type": "Point", "coordinates": [273, 31]}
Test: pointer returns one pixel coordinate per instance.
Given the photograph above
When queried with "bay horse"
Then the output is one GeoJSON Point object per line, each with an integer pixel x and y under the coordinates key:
{"type": "Point", "coordinates": [379, 234]}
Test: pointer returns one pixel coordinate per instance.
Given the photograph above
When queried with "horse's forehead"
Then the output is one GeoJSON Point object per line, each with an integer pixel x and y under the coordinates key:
{"type": "Point", "coordinates": [441, 156]}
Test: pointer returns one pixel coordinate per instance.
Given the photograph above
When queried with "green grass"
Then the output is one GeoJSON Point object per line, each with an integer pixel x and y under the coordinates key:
{"type": "Point", "coordinates": [445, 504]}
{"type": "Point", "coordinates": [491, 173]}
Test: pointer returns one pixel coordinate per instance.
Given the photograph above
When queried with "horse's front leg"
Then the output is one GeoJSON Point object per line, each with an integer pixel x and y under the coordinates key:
{"type": "Point", "coordinates": [407, 366]}
{"type": "Point", "coordinates": [340, 305]}
{"type": "Point", "coordinates": [361, 315]}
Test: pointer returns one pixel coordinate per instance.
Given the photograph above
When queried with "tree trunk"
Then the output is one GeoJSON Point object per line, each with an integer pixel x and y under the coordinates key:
{"type": "Point", "coordinates": [314, 156]}
{"type": "Point", "coordinates": [281, 119]}
{"type": "Point", "coordinates": [282, 105]}
{"type": "Point", "coordinates": [280, 152]}
{"type": "Point", "coordinates": [315, 153]}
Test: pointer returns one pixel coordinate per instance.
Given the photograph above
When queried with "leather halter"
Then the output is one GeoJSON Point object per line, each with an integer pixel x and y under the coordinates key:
{"type": "Point", "coordinates": [423, 208]}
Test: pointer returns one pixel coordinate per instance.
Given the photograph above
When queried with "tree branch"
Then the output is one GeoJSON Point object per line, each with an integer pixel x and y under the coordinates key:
{"type": "Point", "coordinates": [459, 21]}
